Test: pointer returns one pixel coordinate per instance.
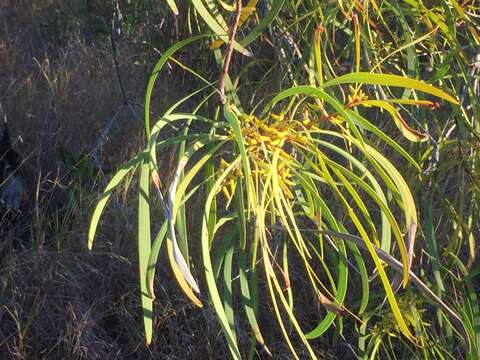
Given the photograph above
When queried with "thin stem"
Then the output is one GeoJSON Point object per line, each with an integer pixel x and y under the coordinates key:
{"type": "Point", "coordinates": [228, 56]}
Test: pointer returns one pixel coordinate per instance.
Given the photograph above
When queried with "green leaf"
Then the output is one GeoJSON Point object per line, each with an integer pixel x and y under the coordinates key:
{"type": "Point", "coordinates": [390, 80]}
{"type": "Point", "coordinates": [112, 184]}
{"type": "Point", "coordinates": [213, 24]}
{"type": "Point", "coordinates": [144, 247]}
{"type": "Point", "coordinates": [156, 70]}
{"type": "Point", "coordinates": [235, 125]}
{"type": "Point", "coordinates": [257, 31]}
{"type": "Point", "coordinates": [173, 7]}
{"type": "Point", "coordinates": [207, 262]}
{"type": "Point", "coordinates": [152, 260]}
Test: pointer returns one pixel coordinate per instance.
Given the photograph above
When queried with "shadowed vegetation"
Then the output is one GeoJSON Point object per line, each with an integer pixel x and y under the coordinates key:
{"type": "Point", "coordinates": [299, 179]}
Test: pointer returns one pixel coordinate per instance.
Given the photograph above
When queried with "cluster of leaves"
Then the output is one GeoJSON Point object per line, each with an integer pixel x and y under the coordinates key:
{"type": "Point", "coordinates": [306, 184]}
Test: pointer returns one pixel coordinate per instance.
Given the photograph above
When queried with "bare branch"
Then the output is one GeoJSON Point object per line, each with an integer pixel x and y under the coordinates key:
{"type": "Point", "coordinates": [228, 55]}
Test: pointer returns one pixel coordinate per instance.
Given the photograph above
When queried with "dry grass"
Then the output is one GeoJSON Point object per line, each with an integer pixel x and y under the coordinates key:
{"type": "Point", "coordinates": [68, 305]}
{"type": "Point", "coordinates": [58, 91]}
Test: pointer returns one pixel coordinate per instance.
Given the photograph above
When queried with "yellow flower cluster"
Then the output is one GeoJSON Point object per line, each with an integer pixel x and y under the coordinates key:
{"type": "Point", "coordinates": [356, 96]}
{"type": "Point", "coordinates": [262, 138]}
{"type": "Point", "coordinates": [257, 132]}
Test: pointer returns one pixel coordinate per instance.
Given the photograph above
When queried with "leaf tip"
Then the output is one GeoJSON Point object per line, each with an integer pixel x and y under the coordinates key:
{"type": "Point", "coordinates": [151, 290]}
{"type": "Point", "coordinates": [247, 53]}
{"type": "Point", "coordinates": [148, 339]}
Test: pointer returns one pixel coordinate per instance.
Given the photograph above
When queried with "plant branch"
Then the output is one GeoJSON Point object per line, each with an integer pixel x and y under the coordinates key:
{"type": "Point", "coordinates": [228, 56]}
{"type": "Point", "coordinates": [398, 267]}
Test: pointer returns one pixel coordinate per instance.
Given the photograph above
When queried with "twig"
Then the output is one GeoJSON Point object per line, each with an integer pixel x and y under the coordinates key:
{"type": "Point", "coordinates": [228, 56]}
{"type": "Point", "coordinates": [115, 33]}
{"type": "Point", "coordinates": [102, 139]}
